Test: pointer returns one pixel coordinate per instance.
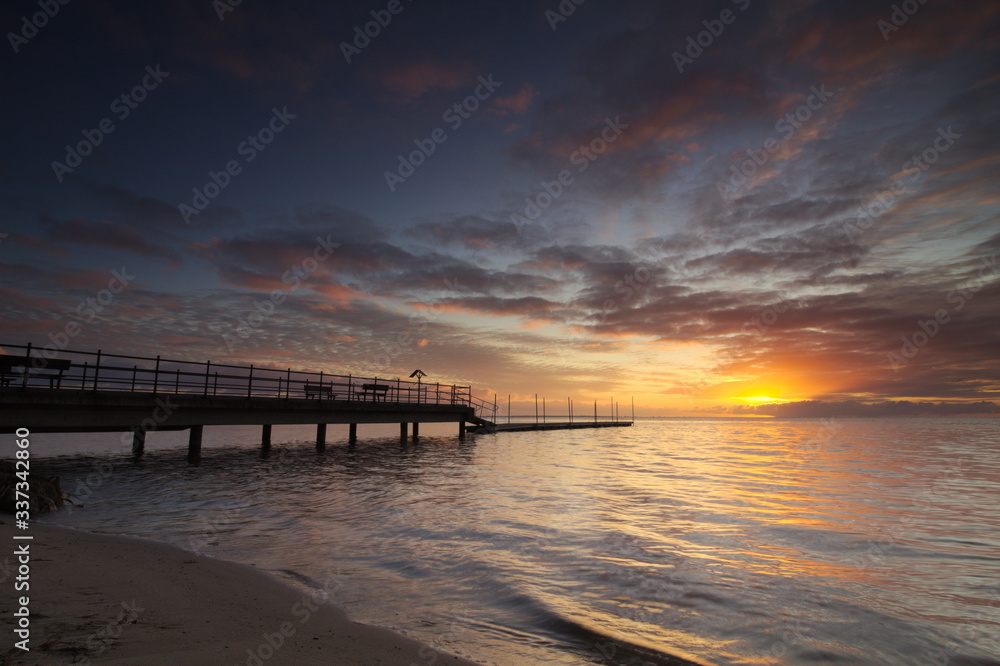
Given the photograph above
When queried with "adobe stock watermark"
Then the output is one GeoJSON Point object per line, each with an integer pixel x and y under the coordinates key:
{"type": "Point", "coordinates": [581, 158]}
{"type": "Point", "coordinates": [122, 107]}
{"type": "Point", "coordinates": [885, 200]}
{"type": "Point", "coordinates": [786, 126]}
{"type": "Point", "coordinates": [86, 311]}
{"type": "Point", "coordinates": [294, 277]}
{"type": "Point", "coordinates": [756, 327]}
{"type": "Point", "coordinates": [31, 25]}
{"type": "Point", "coordinates": [767, 317]}
{"type": "Point", "coordinates": [901, 13]}
{"type": "Point", "coordinates": [562, 13]}
{"type": "Point", "coordinates": [928, 329]}
{"type": "Point", "coordinates": [455, 115]}
{"type": "Point", "coordinates": [627, 287]}
{"type": "Point", "coordinates": [452, 635]}
{"type": "Point", "coordinates": [102, 471]}
{"type": "Point", "coordinates": [223, 7]}
{"type": "Point", "coordinates": [714, 28]}
{"type": "Point", "coordinates": [248, 149]}
{"type": "Point", "coordinates": [413, 335]}
{"type": "Point", "coordinates": [372, 29]}
{"type": "Point", "coordinates": [302, 611]}
{"type": "Point", "coordinates": [101, 640]}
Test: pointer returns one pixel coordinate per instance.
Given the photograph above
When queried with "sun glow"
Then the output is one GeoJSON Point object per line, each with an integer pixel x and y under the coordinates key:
{"type": "Point", "coordinates": [758, 400]}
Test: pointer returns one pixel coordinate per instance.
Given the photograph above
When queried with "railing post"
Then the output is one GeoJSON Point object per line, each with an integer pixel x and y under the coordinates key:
{"type": "Point", "coordinates": [398, 398]}
{"type": "Point", "coordinates": [135, 368]}
{"type": "Point", "coordinates": [208, 367]}
{"type": "Point", "coordinates": [156, 375]}
{"type": "Point", "coordinates": [177, 380]}
{"type": "Point", "coordinates": [250, 381]}
{"type": "Point", "coordinates": [97, 368]}
{"type": "Point", "coordinates": [83, 381]}
{"type": "Point", "coordinates": [27, 368]}
{"type": "Point", "coordinates": [215, 384]}
{"type": "Point", "coordinates": [288, 385]}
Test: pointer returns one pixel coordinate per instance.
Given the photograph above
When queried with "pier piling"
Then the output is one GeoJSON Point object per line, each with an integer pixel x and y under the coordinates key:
{"type": "Point", "coordinates": [194, 441]}
{"type": "Point", "coordinates": [138, 441]}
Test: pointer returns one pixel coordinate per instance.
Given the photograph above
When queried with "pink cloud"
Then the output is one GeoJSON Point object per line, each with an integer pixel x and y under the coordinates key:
{"type": "Point", "coordinates": [410, 81]}
{"type": "Point", "coordinates": [518, 102]}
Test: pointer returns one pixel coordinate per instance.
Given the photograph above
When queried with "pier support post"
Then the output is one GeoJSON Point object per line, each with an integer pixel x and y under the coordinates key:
{"type": "Point", "coordinates": [416, 429]}
{"type": "Point", "coordinates": [138, 441]}
{"type": "Point", "coordinates": [461, 429]}
{"type": "Point", "coordinates": [352, 432]}
{"type": "Point", "coordinates": [320, 435]}
{"type": "Point", "coordinates": [402, 430]}
{"type": "Point", "coordinates": [265, 436]}
{"type": "Point", "coordinates": [194, 441]}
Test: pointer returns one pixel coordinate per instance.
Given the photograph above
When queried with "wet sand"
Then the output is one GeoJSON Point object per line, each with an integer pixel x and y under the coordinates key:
{"type": "Point", "coordinates": [116, 600]}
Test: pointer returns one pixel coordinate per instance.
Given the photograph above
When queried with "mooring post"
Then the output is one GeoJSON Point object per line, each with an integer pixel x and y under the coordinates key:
{"type": "Point", "coordinates": [320, 435]}
{"type": "Point", "coordinates": [194, 441]}
{"type": "Point", "coordinates": [138, 441]}
{"type": "Point", "coordinates": [352, 432]}
{"type": "Point", "coordinates": [265, 436]}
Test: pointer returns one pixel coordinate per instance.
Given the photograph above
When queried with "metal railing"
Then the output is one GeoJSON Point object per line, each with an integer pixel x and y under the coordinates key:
{"type": "Point", "coordinates": [32, 368]}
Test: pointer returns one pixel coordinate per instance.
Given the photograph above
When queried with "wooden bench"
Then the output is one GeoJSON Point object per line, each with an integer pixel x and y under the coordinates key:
{"type": "Point", "coordinates": [375, 390]}
{"type": "Point", "coordinates": [319, 390]}
{"type": "Point", "coordinates": [31, 366]}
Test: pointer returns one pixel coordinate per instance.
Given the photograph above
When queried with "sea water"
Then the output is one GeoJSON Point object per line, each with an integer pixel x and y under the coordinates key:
{"type": "Point", "coordinates": [723, 541]}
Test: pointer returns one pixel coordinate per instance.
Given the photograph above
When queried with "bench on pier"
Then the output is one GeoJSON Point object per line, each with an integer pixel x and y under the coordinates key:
{"type": "Point", "coordinates": [319, 389]}
{"type": "Point", "coordinates": [32, 367]}
{"type": "Point", "coordinates": [375, 390]}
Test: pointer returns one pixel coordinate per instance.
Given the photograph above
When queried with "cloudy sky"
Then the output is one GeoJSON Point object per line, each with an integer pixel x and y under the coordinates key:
{"type": "Point", "coordinates": [698, 204]}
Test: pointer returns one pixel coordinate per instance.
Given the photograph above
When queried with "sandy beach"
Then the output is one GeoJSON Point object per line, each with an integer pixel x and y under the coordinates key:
{"type": "Point", "coordinates": [97, 599]}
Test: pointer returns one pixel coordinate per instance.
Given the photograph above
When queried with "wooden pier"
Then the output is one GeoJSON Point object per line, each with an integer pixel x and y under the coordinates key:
{"type": "Point", "coordinates": [556, 425]}
{"type": "Point", "coordinates": [98, 392]}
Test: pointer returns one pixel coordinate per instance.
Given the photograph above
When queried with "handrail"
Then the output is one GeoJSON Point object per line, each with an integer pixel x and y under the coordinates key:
{"type": "Point", "coordinates": [158, 375]}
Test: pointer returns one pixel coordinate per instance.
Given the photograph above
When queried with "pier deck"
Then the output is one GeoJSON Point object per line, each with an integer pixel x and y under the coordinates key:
{"type": "Point", "coordinates": [551, 425]}
{"type": "Point", "coordinates": [88, 392]}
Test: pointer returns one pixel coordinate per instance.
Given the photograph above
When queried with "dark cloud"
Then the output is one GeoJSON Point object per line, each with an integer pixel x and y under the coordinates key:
{"type": "Point", "coordinates": [854, 409]}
